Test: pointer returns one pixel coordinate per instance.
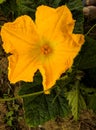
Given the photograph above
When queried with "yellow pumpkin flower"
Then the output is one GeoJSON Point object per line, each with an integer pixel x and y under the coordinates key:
{"type": "Point", "coordinates": [48, 45]}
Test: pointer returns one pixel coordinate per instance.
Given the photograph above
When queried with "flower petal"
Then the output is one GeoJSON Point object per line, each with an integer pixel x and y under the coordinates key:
{"type": "Point", "coordinates": [64, 52]}
{"type": "Point", "coordinates": [53, 67]}
{"type": "Point", "coordinates": [49, 20]}
{"type": "Point", "coordinates": [19, 35]}
{"type": "Point", "coordinates": [54, 27]}
{"type": "Point", "coordinates": [65, 19]}
{"type": "Point", "coordinates": [21, 40]}
{"type": "Point", "coordinates": [21, 68]}
{"type": "Point", "coordinates": [45, 20]}
{"type": "Point", "coordinates": [57, 26]}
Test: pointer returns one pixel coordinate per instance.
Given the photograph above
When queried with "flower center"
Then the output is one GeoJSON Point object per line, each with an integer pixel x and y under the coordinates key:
{"type": "Point", "coordinates": [45, 49]}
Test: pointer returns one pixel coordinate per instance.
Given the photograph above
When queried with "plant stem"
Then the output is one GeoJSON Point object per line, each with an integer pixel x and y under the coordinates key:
{"type": "Point", "coordinates": [22, 96]}
{"type": "Point", "coordinates": [90, 29]}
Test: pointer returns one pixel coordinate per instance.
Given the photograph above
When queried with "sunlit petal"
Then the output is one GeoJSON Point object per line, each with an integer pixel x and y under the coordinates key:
{"type": "Point", "coordinates": [60, 60]}
{"type": "Point", "coordinates": [46, 19]}
{"type": "Point", "coordinates": [21, 68]}
{"type": "Point", "coordinates": [19, 35]}
{"type": "Point", "coordinates": [20, 39]}
{"type": "Point", "coordinates": [49, 20]}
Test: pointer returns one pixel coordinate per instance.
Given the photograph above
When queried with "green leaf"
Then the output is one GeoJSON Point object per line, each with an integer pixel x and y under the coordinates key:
{"type": "Point", "coordinates": [9, 114]}
{"type": "Point", "coordinates": [76, 101]}
{"type": "Point", "coordinates": [41, 108]}
{"type": "Point", "coordinates": [54, 3]}
{"type": "Point", "coordinates": [87, 56]}
{"type": "Point", "coordinates": [9, 122]}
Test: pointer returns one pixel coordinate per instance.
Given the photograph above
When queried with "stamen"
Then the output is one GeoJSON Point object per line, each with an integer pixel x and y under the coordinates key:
{"type": "Point", "coordinates": [45, 49]}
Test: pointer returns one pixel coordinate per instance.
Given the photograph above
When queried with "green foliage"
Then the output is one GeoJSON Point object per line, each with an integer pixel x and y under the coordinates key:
{"type": "Point", "coordinates": [90, 96]}
{"type": "Point", "coordinates": [41, 108]}
{"type": "Point", "coordinates": [87, 56]}
{"type": "Point", "coordinates": [26, 7]}
{"type": "Point", "coordinates": [9, 118]}
{"type": "Point", "coordinates": [54, 3]}
{"type": "Point", "coordinates": [75, 5]}
{"type": "Point", "coordinates": [76, 100]}
{"type": "Point", "coordinates": [9, 9]}
{"type": "Point", "coordinates": [12, 115]}
{"type": "Point", "coordinates": [76, 8]}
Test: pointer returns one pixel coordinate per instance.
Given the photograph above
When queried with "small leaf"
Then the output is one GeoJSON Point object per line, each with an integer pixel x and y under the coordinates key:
{"type": "Point", "coordinates": [76, 101]}
{"type": "Point", "coordinates": [9, 114]}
